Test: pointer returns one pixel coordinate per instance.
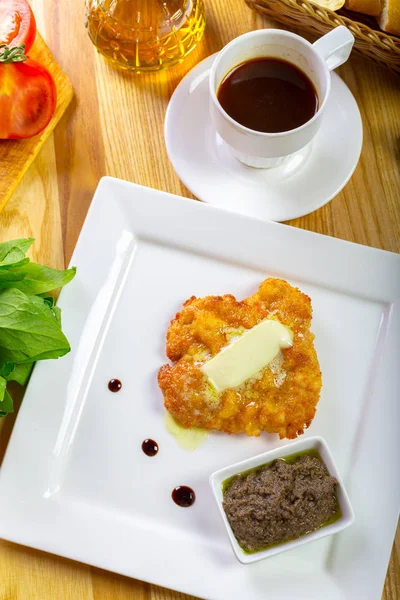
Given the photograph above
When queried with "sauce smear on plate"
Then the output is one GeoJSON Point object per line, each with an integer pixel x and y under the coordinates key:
{"type": "Point", "coordinates": [150, 447]}
{"type": "Point", "coordinates": [183, 496]}
{"type": "Point", "coordinates": [114, 385]}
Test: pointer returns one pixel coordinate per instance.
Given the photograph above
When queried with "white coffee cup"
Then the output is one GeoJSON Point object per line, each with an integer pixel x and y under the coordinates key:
{"type": "Point", "coordinates": [265, 150]}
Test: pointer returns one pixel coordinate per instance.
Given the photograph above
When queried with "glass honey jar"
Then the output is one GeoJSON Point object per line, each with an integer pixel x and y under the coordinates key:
{"type": "Point", "coordinates": [145, 35]}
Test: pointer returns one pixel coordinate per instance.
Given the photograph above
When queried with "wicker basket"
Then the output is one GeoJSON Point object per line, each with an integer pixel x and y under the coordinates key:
{"type": "Point", "coordinates": [369, 40]}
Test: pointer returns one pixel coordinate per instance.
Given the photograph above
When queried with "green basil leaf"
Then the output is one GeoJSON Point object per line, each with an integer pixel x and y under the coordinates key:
{"type": "Point", "coordinates": [29, 330]}
{"type": "Point", "coordinates": [3, 385]}
{"type": "Point", "coordinates": [12, 253]}
{"type": "Point", "coordinates": [10, 276]}
{"type": "Point", "coordinates": [6, 405]}
{"type": "Point", "coordinates": [20, 373]}
{"type": "Point", "coordinates": [48, 299]}
{"type": "Point", "coordinates": [38, 279]}
{"type": "Point", "coordinates": [57, 314]}
{"type": "Point", "coordinates": [6, 368]}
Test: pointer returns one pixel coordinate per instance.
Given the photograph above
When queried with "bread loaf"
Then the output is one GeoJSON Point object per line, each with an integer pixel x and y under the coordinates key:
{"type": "Point", "coordinates": [389, 20]}
{"type": "Point", "coordinates": [368, 7]}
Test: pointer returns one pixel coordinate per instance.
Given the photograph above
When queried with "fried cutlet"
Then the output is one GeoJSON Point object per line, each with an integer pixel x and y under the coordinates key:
{"type": "Point", "coordinates": [281, 398]}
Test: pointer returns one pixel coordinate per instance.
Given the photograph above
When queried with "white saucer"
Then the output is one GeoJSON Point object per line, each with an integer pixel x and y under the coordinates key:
{"type": "Point", "coordinates": [206, 167]}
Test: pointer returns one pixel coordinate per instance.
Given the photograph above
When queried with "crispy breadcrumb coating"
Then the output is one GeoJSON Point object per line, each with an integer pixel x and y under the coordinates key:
{"type": "Point", "coordinates": [281, 398]}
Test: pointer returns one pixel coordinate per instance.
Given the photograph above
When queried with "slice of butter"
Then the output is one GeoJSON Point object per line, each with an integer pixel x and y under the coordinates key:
{"type": "Point", "coordinates": [247, 354]}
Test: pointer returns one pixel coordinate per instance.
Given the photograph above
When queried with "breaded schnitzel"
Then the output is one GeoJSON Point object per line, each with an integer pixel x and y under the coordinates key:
{"type": "Point", "coordinates": [281, 398]}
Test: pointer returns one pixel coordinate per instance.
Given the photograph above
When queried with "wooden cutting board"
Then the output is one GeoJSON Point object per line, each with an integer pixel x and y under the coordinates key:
{"type": "Point", "coordinates": [17, 155]}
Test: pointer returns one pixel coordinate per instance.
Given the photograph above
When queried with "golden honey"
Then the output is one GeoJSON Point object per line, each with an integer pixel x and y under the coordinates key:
{"type": "Point", "coordinates": [145, 35]}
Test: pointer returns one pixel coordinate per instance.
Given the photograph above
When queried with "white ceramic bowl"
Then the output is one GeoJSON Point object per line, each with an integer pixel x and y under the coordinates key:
{"type": "Point", "coordinates": [315, 443]}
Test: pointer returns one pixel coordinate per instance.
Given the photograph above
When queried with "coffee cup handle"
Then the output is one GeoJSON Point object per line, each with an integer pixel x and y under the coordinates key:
{"type": "Point", "coordinates": [335, 46]}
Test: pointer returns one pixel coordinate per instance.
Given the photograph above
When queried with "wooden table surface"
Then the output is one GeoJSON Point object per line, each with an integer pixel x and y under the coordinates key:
{"type": "Point", "coordinates": [114, 126]}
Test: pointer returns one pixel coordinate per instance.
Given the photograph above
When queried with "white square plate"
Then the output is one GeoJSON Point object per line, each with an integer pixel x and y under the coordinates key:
{"type": "Point", "coordinates": [75, 481]}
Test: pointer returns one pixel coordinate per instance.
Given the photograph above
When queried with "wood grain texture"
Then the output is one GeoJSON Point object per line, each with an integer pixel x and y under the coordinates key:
{"type": "Point", "coordinates": [114, 126]}
{"type": "Point", "coordinates": [16, 156]}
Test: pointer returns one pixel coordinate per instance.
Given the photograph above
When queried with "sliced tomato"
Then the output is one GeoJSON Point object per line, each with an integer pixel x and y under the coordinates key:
{"type": "Point", "coordinates": [17, 24]}
{"type": "Point", "coordinates": [27, 99]}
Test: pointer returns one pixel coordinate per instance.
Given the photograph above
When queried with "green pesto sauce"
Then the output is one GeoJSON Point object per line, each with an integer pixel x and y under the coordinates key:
{"type": "Point", "coordinates": [291, 458]}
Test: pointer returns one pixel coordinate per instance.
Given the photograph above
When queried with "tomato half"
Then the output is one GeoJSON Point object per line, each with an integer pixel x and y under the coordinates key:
{"type": "Point", "coordinates": [17, 24]}
{"type": "Point", "coordinates": [27, 99]}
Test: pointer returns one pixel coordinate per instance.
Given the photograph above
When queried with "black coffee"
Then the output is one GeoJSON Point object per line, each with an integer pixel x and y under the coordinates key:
{"type": "Point", "coordinates": [269, 95]}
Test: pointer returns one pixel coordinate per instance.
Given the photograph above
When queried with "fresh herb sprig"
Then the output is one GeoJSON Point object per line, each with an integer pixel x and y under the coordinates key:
{"type": "Point", "coordinates": [30, 323]}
